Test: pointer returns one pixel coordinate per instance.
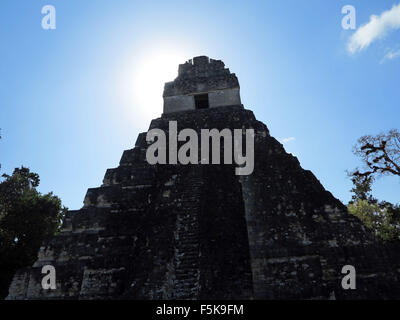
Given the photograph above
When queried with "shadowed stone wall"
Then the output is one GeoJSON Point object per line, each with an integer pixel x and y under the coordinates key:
{"type": "Point", "coordinates": [200, 231]}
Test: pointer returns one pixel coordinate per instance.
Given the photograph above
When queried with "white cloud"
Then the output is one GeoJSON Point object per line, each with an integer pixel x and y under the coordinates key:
{"type": "Point", "coordinates": [391, 55]}
{"type": "Point", "coordinates": [286, 140]}
{"type": "Point", "coordinates": [376, 28]}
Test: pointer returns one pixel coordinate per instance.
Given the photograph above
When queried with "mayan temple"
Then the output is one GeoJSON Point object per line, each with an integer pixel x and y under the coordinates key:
{"type": "Point", "coordinates": [200, 231]}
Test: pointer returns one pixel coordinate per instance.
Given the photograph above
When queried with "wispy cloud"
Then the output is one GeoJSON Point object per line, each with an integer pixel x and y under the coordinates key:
{"type": "Point", "coordinates": [376, 28]}
{"type": "Point", "coordinates": [286, 140]}
{"type": "Point", "coordinates": [391, 55]}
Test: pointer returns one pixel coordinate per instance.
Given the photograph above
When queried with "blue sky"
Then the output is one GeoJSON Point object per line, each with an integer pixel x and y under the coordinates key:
{"type": "Point", "coordinates": [72, 99]}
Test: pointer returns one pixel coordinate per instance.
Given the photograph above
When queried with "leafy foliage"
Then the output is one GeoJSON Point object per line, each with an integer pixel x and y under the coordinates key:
{"type": "Point", "coordinates": [362, 188]}
{"type": "Point", "coordinates": [27, 218]}
{"type": "Point", "coordinates": [383, 218]}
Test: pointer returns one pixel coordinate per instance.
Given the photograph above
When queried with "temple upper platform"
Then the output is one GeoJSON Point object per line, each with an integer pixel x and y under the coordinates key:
{"type": "Point", "coordinates": [201, 83]}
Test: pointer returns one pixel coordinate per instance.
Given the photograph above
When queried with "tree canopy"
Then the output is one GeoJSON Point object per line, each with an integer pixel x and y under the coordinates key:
{"type": "Point", "coordinates": [380, 154]}
{"type": "Point", "coordinates": [381, 217]}
{"type": "Point", "coordinates": [27, 218]}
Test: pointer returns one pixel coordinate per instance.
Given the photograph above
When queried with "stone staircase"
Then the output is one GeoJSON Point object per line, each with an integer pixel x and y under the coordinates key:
{"type": "Point", "coordinates": [187, 246]}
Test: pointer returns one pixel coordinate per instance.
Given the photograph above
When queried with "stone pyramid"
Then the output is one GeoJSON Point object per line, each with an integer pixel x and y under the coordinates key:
{"type": "Point", "coordinates": [173, 231]}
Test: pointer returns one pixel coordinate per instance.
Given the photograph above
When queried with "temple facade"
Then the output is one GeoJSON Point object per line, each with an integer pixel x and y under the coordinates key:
{"type": "Point", "coordinates": [173, 231]}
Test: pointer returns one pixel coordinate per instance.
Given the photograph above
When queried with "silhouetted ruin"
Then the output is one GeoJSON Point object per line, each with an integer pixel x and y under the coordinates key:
{"type": "Point", "coordinates": [191, 231]}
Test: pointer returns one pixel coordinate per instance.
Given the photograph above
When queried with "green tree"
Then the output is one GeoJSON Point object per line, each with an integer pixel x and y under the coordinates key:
{"type": "Point", "coordinates": [380, 155]}
{"type": "Point", "coordinates": [361, 188]}
{"type": "Point", "coordinates": [27, 218]}
{"type": "Point", "coordinates": [382, 217]}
